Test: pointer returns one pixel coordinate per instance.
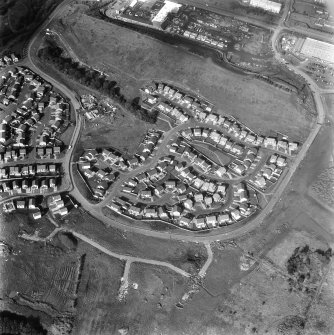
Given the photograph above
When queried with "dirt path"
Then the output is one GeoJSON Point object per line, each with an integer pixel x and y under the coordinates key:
{"type": "Point", "coordinates": [208, 262]}
{"type": "Point", "coordinates": [130, 259]}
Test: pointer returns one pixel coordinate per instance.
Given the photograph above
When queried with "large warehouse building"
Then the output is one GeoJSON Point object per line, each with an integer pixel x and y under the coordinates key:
{"type": "Point", "coordinates": [318, 49]}
{"type": "Point", "coordinates": [160, 18]}
{"type": "Point", "coordinates": [270, 6]}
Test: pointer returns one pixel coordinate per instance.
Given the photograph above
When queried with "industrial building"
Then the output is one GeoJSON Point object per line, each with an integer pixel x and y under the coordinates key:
{"type": "Point", "coordinates": [161, 17]}
{"type": "Point", "coordinates": [270, 6]}
{"type": "Point", "coordinates": [318, 49]}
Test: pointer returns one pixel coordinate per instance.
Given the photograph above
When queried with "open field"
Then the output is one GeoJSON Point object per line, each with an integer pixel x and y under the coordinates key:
{"type": "Point", "coordinates": [124, 134]}
{"type": "Point", "coordinates": [40, 278]}
{"type": "Point", "coordinates": [97, 303]}
{"type": "Point", "coordinates": [127, 56]}
{"type": "Point", "coordinates": [187, 256]}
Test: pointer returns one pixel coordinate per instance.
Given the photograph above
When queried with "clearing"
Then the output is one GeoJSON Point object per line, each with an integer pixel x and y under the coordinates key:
{"type": "Point", "coordinates": [132, 59]}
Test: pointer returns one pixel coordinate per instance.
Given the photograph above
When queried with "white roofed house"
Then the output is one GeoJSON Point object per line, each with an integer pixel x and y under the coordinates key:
{"type": "Point", "coordinates": [25, 185]}
{"type": "Point", "coordinates": [63, 211]}
{"type": "Point", "coordinates": [223, 219]}
{"type": "Point", "coordinates": [32, 203]}
{"type": "Point", "coordinates": [146, 194]}
{"type": "Point", "coordinates": [235, 214]}
{"type": "Point", "coordinates": [198, 197]}
{"type": "Point", "coordinates": [3, 174]}
{"type": "Point", "coordinates": [221, 171]}
{"type": "Point", "coordinates": [150, 212]}
{"type": "Point", "coordinates": [44, 185]}
{"type": "Point", "coordinates": [212, 118]}
{"type": "Point", "coordinates": [162, 213]}
{"type": "Point", "coordinates": [188, 204]}
{"type": "Point", "coordinates": [134, 210]}
{"type": "Point", "coordinates": [176, 211]}
{"type": "Point", "coordinates": [185, 222]}
{"type": "Point", "coordinates": [37, 215]}
{"type": "Point", "coordinates": [293, 146]}
{"type": "Point", "coordinates": [211, 221]}
{"type": "Point", "coordinates": [114, 207]}
{"type": "Point", "coordinates": [199, 223]}
{"type": "Point", "coordinates": [260, 181]}
{"type": "Point", "coordinates": [270, 142]}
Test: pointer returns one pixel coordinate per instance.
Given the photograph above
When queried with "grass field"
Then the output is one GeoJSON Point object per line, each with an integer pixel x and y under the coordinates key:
{"type": "Point", "coordinates": [178, 253]}
{"type": "Point", "coordinates": [125, 134]}
{"type": "Point", "coordinates": [133, 59]}
{"type": "Point", "coordinates": [97, 303]}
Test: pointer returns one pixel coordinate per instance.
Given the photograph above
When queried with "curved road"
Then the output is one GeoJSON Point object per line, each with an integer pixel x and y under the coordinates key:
{"type": "Point", "coordinates": [213, 235]}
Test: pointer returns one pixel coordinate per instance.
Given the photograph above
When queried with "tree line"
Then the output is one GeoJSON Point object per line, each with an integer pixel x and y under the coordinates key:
{"type": "Point", "coordinates": [52, 54]}
{"type": "Point", "coordinates": [14, 324]}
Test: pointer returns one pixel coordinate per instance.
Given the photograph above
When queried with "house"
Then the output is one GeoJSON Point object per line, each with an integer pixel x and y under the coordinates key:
{"type": "Point", "coordinates": [85, 165]}
{"type": "Point", "coordinates": [236, 215]}
{"type": "Point", "coordinates": [181, 188]}
{"type": "Point", "coordinates": [199, 223]}
{"type": "Point", "coordinates": [114, 207]}
{"type": "Point", "coordinates": [56, 150]}
{"type": "Point", "coordinates": [162, 213]}
{"type": "Point", "coordinates": [37, 215]}
{"type": "Point", "coordinates": [184, 222]}
{"type": "Point", "coordinates": [208, 201]}
{"type": "Point", "coordinates": [170, 184]}
{"type": "Point", "coordinates": [188, 204]}
{"type": "Point", "coordinates": [34, 185]}
{"type": "Point", "coordinates": [146, 194]}
{"type": "Point", "coordinates": [132, 182]}
{"type": "Point", "coordinates": [293, 146]}
{"type": "Point", "coordinates": [44, 185]}
{"type": "Point", "coordinates": [141, 177]}
{"type": "Point", "coordinates": [134, 210]}
{"type": "Point", "coordinates": [25, 184]}
{"type": "Point", "coordinates": [22, 153]}
{"type": "Point", "coordinates": [63, 211]}
{"type": "Point", "coordinates": [31, 203]}
{"type": "Point", "coordinates": [211, 221]}
{"type": "Point", "coordinates": [159, 191]}
{"type": "Point", "coordinates": [55, 198]}
{"type": "Point", "coordinates": [32, 170]}
{"type": "Point", "coordinates": [222, 142]}
{"type": "Point", "coordinates": [99, 193]}
{"type": "Point", "coordinates": [127, 189]}
{"type": "Point", "coordinates": [182, 198]}
{"type": "Point", "coordinates": [176, 211]}
{"type": "Point", "coordinates": [198, 197]}
{"type": "Point", "coordinates": [133, 162]}
{"type": "Point", "coordinates": [3, 174]}
{"type": "Point", "coordinates": [221, 189]}
{"type": "Point", "coordinates": [52, 168]}
{"type": "Point", "coordinates": [101, 174]}
{"type": "Point", "coordinates": [89, 173]}
{"type": "Point", "coordinates": [270, 142]}
{"type": "Point", "coordinates": [41, 168]}
{"type": "Point", "coordinates": [150, 212]}
{"type": "Point", "coordinates": [221, 171]}
{"type": "Point", "coordinates": [152, 173]}
{"type": "Point", "coordinates": [281, 161]}
{"type": "Point", "coordinates": [223, 219]}
{"type": "Point", "coordinates": [216, 197]}
{"type": "Point", "coordinates": [40, 152]}
{"type": "Point", "coordinates": [20, 204]}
